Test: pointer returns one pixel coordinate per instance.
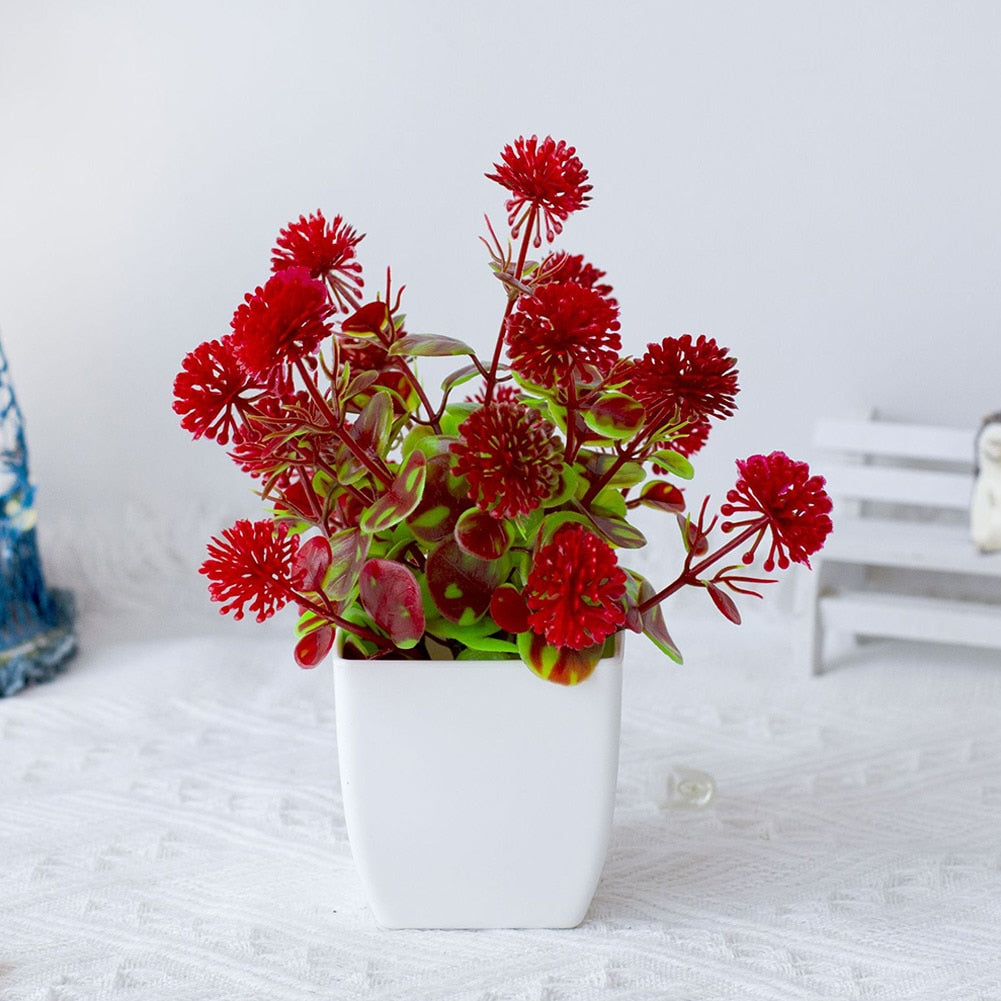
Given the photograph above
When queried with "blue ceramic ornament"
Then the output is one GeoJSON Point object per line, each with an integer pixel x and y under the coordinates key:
{"type": "Point", "coordinates": [36, 625]}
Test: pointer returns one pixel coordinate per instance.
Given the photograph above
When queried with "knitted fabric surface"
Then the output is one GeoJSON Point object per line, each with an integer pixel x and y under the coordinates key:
{"type": "Point", "coordinates": [171, 823]}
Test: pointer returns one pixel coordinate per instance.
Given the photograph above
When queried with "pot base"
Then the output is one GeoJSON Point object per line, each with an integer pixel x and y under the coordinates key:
{"type": "Point", "coordinates": [475, 794]}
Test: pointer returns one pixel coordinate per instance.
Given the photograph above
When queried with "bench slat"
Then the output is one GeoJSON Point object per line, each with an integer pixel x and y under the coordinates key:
{"type": "Point", "coordinates": [887, 543]}
{"type": "Point", "coordinates": [898, 486]}
{"type": "Point", "coordinates": [886, 438]}
{"type": "Point", "coordinates": [909, 617]}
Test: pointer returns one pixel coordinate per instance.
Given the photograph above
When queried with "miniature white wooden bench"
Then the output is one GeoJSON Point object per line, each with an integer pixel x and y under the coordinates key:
{"type": "Point", "coordinates": [900, 562]}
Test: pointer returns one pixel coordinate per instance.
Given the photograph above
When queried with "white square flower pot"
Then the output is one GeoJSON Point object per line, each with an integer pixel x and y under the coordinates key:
{"type": "Point", "coordinates": [475, 794]}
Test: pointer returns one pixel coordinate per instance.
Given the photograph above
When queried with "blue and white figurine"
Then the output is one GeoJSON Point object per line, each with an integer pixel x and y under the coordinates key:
{"type": "Point", "coordinates": [36, 625]}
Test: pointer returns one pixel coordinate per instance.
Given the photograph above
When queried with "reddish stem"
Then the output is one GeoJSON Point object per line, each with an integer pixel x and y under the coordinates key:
{"type": "Point", "coordinates": [690, 574]}
{"type": "Point", "coordinates": [530, 219]}
{"type": "Point", "coordinates": [372, 463]}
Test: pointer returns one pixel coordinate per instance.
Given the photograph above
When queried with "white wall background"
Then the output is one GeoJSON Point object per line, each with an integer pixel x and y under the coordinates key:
{"type": "Point", "coordinates": [817, 185]}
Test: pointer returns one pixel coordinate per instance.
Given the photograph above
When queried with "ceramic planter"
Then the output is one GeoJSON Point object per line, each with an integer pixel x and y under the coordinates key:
{"type": "Point", "coordinates": [475, 794]}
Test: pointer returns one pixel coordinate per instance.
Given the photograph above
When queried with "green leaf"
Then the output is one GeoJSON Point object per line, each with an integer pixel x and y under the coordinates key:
{"type": "Point", "coordinates": [470, 654]}
{"type": "Point", "coordinates": [557, 519]}
{"type": "Point", "coordinates": [614, 416]}
{"type": "Point", "coordinates": [361, 383]}
{"type": "Point", "coordinates": [429, 346]}
{"type": "Point", "coordinates": [560, 665]}
{"type": "Point", "coordinates": [569, 481]}
{"type": "Point", "coordinates": [616, 531]}
{"type": "Point", "coordinates": [475, 635]}
{"type": "Point", "coordinates": [458, 377]}
{"type": "Point", "coordinates": [673, 462]}
{"type": "Point", "coordinates": [627, 475]}
{"type": "Point", "coordinates": [445, 497]}
{"type": "Point", "coordinates": [400, 500]}
{"type": "Point", "coordinates": [348, 549]}
{"type": "Point", "coordinates": [652, 621]}
{"type": "Point", "coordinates": [610, 502]}
{"type": "Point", "coordinates": [454, 415]}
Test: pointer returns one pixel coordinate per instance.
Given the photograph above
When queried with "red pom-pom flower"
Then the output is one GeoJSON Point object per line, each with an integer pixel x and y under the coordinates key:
{"type": "Point", "coordinates": [564, 331]}
{"type": "Point", "coordinates": [326, 250]}
{"type": "Point", "coordinates": [510, 457]}
{"type": "Point", "coordinates": [251, 565]}
{"type": "Point", "coordinates": [546, 177]}
{"type": "Point", "coordinates": [779, 494]}
{"type": "Point", "coordinates": [280, 324]}
{"type": "Point", "coordinates": [681, 380]}
{"type": "Point", "coordinates": [210, 391]}
{"type": "Point", "coordinates": [574, 589]}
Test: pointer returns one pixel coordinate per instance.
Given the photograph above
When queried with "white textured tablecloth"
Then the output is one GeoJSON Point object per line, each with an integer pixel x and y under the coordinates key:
{"type": "Point", "coordinates": [171, 828]}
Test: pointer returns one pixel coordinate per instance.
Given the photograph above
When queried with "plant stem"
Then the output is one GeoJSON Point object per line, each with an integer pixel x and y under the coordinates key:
{"type": "Point", "coordinates": [570, 451]}
{"type": "Point", "coordinates": [599, 484]}
{"type": "Point", "coordinates": [690, 574]}
{"type": "Point", "coordinates": [332, 618]}
{"type": "Point", "coordinates": [533, 213]}
{"type": "Point", "coordinates": [421, 395]}
{"type": "Point", "coordinates": [372, 463]}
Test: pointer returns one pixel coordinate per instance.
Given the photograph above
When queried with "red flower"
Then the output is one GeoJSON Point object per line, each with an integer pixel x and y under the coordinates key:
{"type": "Point", "coordinates": [251, 563]}
{"type": "Point", "coordinates": [781, 495]}
{"type": "Point", "coordinates": [504, 392]}
{"type": "Point", "coordinates": [510, 457]}
{"type": "Point", "coordinates": [563, 267]}
{"type": "Point", "coordinates": [280, 324]}
{"type": "Point", "coordinates": [210, 387]}
{"type": "Point", "coordinates": [562, 329]}
{"type": "Point", "coordinates": [327, 250]}
{"type": "Point", "coordinates": [574, 589]}
{"type": "Point", "coordinates": [681, 380]}
{"type": "Point", "coordinates": [546, 179]}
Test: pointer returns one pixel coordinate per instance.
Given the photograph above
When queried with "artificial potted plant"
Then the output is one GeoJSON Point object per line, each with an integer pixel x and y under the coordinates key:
{"type": "Point", "coordinates": [438, 546]}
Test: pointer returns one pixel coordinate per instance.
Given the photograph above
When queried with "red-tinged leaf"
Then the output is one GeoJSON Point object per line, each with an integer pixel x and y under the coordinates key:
{"type": "Point", "coordinates": [314, 647]}
{"type": "Point", "coordinates": [617, 531]}
{"type": "Point", "coordinates": [634, 620]}
{"type": "Point", "coordinates": [444, 499]}
{"type": "Point", "coordinates": [652, 621]}
{"type": "Point", "coordinates": [400, 500]}
{"type": "Point", "coordinates": [663, 496]}
{"type": "Point", "coordinates": [461, 585]}
{"type": "Point", "coordinates": [508, 609]}
{"type": "Point", "coordinates": [371, 430]}
{"type": "Point", "coordinates": [560, 665]}
{"type": "Point", "coordinates": [311, 564]}
{"type": "Point", "coordinates": [626, 474]}
{"type": "Point", "coordinates": [655, 629]}
{"type": "Point", "coordinates": [392, 597]}
{"type": "Point", "coordinates": [359, 384]}
{"type": "Point", "coordinates": [371, 320]}
{"type": "Point", "coordinates": [723, 602]}
{"type": "Point", "coordinates": [348, 551]}
{"type": "Point", "coordinates": [458, 377]}
{"type": "Point", "coordinates": [614, 415]}
{"type": "Point", "coordinates": [692, 537]}
{"type": "Point", "coordinates": [429, 346]}
{"type": "Point", "coordinates": [481, 534]}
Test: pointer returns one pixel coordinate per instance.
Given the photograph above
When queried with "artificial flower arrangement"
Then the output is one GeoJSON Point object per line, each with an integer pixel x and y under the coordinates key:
{"type": "Point", "coordinates": [485, 523]}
